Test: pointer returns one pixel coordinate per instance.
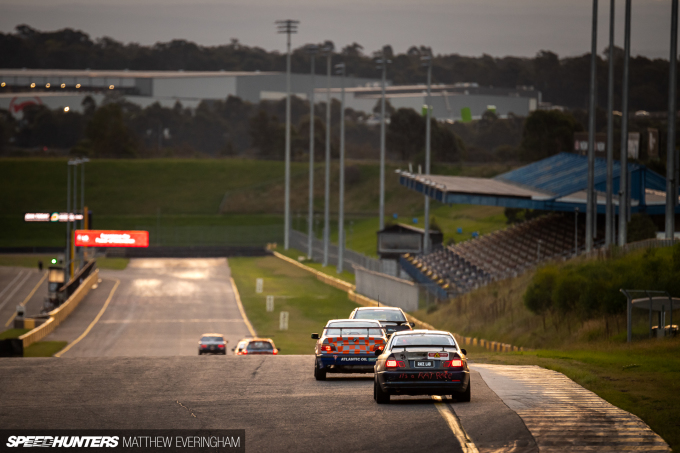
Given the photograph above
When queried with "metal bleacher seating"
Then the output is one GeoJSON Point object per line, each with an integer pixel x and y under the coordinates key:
{"type": "Point", "coordinates": [468, 265]}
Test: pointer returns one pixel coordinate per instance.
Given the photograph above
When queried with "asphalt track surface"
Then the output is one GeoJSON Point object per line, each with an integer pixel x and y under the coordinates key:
{"type": "Point", "coordinates": [138, 367]}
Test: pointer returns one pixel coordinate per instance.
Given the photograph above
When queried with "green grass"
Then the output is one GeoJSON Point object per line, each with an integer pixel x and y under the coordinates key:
{"type": "Point", "coordinates": [44, 348]}
{"type": "Point", "coordinates": [13, 333]}
{"type": "Point", "coordinates": [642, 378]}
{"type": "Point", "coordinates": [331, 269]}
{"type": "Point", "coordinates": [112, 263]}
{"type": "Point", "coordinates": [195, 196]}
{"type": "Point", "coordinates": [310, 303]}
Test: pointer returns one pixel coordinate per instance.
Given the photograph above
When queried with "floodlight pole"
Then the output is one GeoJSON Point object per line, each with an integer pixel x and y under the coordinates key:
{"type": "Point", "coordinates": [342, 70]}
{"type": "Point", "coordinates": [310, 216]}
{"type": "Point", "coordinates": [75, 207]}
{"type": "Point", "coordinates": [67, 266]}
{"type": "Point", "coordinates": [288, 27]}
{"type": "Point", "coordinates": [591, 210]}
{"type": "Point", "coordinates": [671, 181]}
{"type": "Point", "coordinates": [327, 188]}
{"type": "Point", "coordinates": [623, 178]}
{"type": "Point", "coordinates": [381, 212]}
{"type": "Point", "coordinates": [83, 161]}
{"type": "Point", "coordinates": [609, 227]}
{"type": "Point", "coordinates": [428, 58]}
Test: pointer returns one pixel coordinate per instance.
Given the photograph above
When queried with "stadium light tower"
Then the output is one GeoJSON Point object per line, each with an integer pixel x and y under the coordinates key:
{"type": "Point", "coordinates": [288, 27]}
{"type": "Point", "coordinates": [427, 60]}
{"type": "Point", "coordinates": [83, 161]}
{"type": "Point", "coordinates": [623, 178]}
{"type": "Point", "coordinates": [382, 63]}
{"type": "Point", "coordinates": [591, 210]}
{"type": "Point", "coordinates": [312, 50]}
{"type": "Point", "coordinates": [341, 70]}
{"type": "Point", "coordinates": [671, 164]}
{"type": "Point", "coordinates": [609, 227]}
{"type": "Point", "coordinates": [328, 50]}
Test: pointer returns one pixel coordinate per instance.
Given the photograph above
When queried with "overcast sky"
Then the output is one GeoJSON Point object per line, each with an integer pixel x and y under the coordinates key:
{"type": "Point", "coordinates": [466, 27]}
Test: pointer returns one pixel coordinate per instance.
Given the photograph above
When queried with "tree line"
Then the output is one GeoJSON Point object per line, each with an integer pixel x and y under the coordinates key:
{"type": "Point", "coordinates": [562, 81]}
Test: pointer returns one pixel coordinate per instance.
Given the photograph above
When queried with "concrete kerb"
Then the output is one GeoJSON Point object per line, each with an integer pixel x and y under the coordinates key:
{"type": "Point", "coordinates": [59, 314]}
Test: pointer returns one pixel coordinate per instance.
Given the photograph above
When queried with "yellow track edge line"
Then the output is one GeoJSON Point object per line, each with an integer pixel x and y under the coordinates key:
{"type": "Point", "coordinates": [96, 319]}
{"type": "Point", "coordinates": [450, 418]}
{"type": "Point", "coordinates": [240, 308]}
{"type": "Point", "coordinates": [23, 304]}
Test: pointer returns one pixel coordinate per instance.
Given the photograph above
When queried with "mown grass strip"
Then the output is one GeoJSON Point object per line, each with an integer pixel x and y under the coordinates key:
{"type": "Point", "coordinates": [309, 302]}
{"type": "Point", "coordinates": [13, 333]}
{"type": "Point", "coordinates": [44, 348]}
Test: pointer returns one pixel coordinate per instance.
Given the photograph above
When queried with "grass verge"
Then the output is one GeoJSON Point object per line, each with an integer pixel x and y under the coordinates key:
{"type": "Point", "coordinates": [331, 269]}
{"type": "Point", "coordinates": [44, 348]}
{"type": "Point", "coordinates": [642, 378]}
{"type": "Point", "coordinates": [309, 302]}
{"type": "Point", "coordinates": [13, 333]}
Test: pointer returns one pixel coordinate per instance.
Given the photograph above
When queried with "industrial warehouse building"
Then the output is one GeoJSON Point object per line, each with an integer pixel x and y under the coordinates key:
{"type": "Point", "coordinates": [67, 88]}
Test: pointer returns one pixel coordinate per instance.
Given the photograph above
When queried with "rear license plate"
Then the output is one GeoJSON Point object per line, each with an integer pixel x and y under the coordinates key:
{"type": "Point", "coordinates": [424, 364]}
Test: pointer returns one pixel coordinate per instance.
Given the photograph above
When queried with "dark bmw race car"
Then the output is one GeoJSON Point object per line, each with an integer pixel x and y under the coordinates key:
{"type": "Point", "coordinates": [212, 343]}
{"type": "Point", "coordinates": [392, 319]}
{"type": "Point", "coordinates": [347, 346]}
{"type": "Point", "coordinates": [421, 362]}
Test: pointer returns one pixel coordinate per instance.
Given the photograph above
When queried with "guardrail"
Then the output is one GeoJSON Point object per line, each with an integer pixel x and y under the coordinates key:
{"type": "Point", "coordinates": [59, 314]}
{"type": "Point", "coordinates": [327, 279]}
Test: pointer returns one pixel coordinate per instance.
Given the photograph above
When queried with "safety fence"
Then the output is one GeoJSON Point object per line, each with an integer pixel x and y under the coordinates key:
{"type": "Point", "coordinates": [299, 240]}
{"type": "Point", "coordinates": [387, 289]}
{"type": "Point", "coordinates": [59, 314]}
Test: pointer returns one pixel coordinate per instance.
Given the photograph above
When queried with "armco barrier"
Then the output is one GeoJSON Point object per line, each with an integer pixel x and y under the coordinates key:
{"type": "Point", "coordinates": [368, 302]}
{"type": "Point", "coordinates": [59, 314]}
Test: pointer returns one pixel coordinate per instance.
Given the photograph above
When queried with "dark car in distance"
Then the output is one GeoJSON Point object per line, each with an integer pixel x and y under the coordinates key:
{"type": "Point", "coordinates": [421, 362]}
{"type": "Point", "coordinates": [393, 319]}
{"type": "Point", "coordinates": [212, 343]}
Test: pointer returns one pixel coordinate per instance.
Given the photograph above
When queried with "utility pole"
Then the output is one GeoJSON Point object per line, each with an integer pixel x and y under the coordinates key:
{"type": "Point", "coordinates": [83, 161]}
{"type": "Point", "coordinates": [288, 27]}
{"type": "Point", "coordinates": [671, 176]}
{"type": "Point", "coordinates": [591, 210]}
{"type": "Point", "coordinates": [341, 70]}
{"type": "Point", "coordinates": [382, 64]}
{"type": "Point", "coordinates": [428, 61]}
{"type": "Point", "coordinates": [75, 208]}
{"type": "Point", "coordinates": [609, 227]}
{"type": "Point", "coordinates": [67, 264]}
{"type": "Point", "coordinates": [312, 51]}
{"type": "Point", "coordinates": [623, 179]}
{"type": "Point", "coordinates": [328, 49]}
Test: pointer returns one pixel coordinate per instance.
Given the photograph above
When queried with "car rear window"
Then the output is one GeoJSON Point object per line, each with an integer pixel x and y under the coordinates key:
{"type": "Point", "coordinates": [212, 340]}
{"type": "Point", "coordinates": [259, 345]}
{"type": "Point", "coordinates": [422, 340]}
{"type": "Point", "coordinates": [380, 315]}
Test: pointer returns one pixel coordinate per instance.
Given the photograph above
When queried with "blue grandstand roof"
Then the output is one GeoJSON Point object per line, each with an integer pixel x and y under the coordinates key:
{"type": "Point", "coordinates": [561, 174]}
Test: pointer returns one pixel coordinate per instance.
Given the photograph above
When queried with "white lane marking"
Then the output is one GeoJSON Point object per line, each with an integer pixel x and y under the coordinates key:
{"type": "Point", "coordinates": [16, 288]}
{"type": "Point", "coordinates": [240, 308]}
{"type": "Point", "coordinates": [23, 304]}
{"type": "Point", "coordinates": [450, 418]}
{"type": "Point", "coordinates": [99, 315]}
{"type": "Point", "coordinates": [154, 321]}
{"type": "Point", "coordinates": [11, 283]}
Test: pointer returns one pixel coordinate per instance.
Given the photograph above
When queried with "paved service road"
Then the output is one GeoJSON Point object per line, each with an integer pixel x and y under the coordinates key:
{"type": "Point", "coordinates": [16, 285]}
{"type": "Point", "coordinates": [160, 308]}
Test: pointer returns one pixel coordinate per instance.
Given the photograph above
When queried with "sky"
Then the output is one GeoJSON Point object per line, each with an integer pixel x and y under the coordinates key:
{"type": "Point", "coordinates": [466, 27]}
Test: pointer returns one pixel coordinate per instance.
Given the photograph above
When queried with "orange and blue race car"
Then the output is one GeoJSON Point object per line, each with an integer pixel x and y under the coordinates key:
{"type": "Point", "coordinates": [347, 346]}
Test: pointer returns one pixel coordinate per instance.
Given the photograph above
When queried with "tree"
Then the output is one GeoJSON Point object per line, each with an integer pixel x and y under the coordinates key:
{"type": "Point", "coordinates": [268, 135]}
{"type": "Point", "coordinates": [106, 135]}
{"type": "Point", "coordinates": [548, 132]}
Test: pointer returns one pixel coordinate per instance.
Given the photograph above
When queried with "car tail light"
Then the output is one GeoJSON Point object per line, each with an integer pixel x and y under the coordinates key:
{"type": "Point", "coordinates": [276, 351]}
{"type": "Point", "coordinates": [220, 346]}
{"type": "Point", "coordinates": [244, 352]}
{"type": "Point", "coordinates": [327, 348]}
{"type": "Point", "coordinates": [391, 363]}
{"type": "Point", "coordinates": [204, 345]}
{"type": "Point", "coordinates": [456, 363]}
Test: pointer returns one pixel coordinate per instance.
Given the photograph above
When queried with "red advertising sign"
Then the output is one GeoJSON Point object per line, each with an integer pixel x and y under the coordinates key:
{"type": "Point", "coordinates": [111, 238]}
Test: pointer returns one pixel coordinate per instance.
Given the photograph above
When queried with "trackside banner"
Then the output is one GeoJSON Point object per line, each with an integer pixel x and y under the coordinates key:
{"type": "Point", "coordinates": [189, 441]}
{"type": "Point", "coordinates": [111, 238]}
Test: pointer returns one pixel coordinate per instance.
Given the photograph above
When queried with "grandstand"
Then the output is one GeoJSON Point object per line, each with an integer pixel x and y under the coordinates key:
{"type": "Point", "coordinates": [556, 185]}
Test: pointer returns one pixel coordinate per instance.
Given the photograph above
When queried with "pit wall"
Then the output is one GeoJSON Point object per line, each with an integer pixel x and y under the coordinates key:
{"type": "Point", "coordinates": [59, 314]}
{"type": "Point", "coordinates": [368, 302]}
